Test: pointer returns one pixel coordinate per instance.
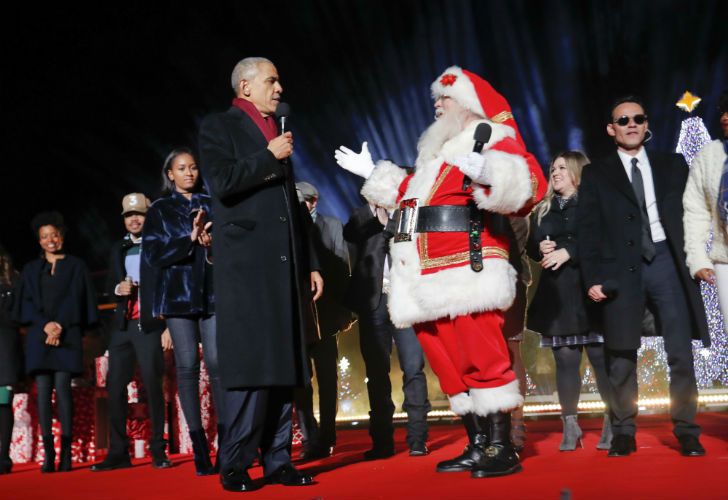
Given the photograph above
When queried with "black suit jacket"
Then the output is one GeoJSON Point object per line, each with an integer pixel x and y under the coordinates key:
{"type": "Point", "coordinates": [116, 274]}
{"type": "Point", "coordinates": [262, 256]}
{"type": "Point", "coordinates": [365, 232]}
{"type": "Point", "coordinates": [609, 224]}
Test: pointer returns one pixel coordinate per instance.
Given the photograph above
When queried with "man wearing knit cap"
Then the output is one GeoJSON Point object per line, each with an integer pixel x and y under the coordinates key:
{"type": "Point", "coordinates": [450, 276]}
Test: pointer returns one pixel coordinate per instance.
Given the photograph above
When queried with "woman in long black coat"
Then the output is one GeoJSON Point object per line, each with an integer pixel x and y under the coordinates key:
{"type": "Point", "coordinates": [560, 309]}
{"type": "Point", "coordinates": [176, 245]}
{"type": "Point", "coordinates": [57, 301]}
{"type": "Point", "coordinates": [10, 356]}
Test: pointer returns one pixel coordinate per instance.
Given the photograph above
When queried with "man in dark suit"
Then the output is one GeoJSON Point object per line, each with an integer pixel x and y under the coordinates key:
{"type": "Point", "coordinates": [135, 336]}
{"type": "Point", "coordinates": [332, 317]}
{"type": "Point", "coordinates": [367, 296]}
{"type": "Point", "coordinates": [630, 205]}
{"type": "Point", "coordinates": [263, 276]}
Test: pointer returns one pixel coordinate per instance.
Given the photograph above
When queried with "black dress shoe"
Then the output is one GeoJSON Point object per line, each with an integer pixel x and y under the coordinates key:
{"type": "Point", "coordinates": [499, 460]}
{"type": "Point", "coordinates": [622, 445]}
{"type": "Point", "coordinates": [161, 462]}
{"type": "Point", "coordinates": [690, 446]}
{"type": "Point", "coordinates": [111, 463]}
{"type": "Point", "coordinates": [418, 449]}
{"type": "Point", "coordinates": [315, 453]}
{"type": "Point", "coordinates": [288, 475]}
{"type": "Point", "coordinates": [378, 453]}
{"type": "Point", "coordinates": [237, 480]}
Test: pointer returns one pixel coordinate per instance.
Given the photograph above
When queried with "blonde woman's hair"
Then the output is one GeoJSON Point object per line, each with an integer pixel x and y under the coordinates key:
{"type": "Point", "coordinates": [575, 161]}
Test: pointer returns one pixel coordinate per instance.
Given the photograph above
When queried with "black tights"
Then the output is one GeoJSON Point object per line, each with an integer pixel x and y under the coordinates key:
{"type": "Point", "coordinates": [6, 429]}
{"type": "Point", "coordinates": [46, 382]}
{"type": "Point", "coordinates": [568, 378]}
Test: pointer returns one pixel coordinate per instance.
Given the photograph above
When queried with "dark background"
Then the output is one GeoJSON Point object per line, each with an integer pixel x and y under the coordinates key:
{"type": "Point", "coordinates": [93, 97]}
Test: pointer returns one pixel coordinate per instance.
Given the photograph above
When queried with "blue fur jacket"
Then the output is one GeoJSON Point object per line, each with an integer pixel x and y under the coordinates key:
{"type": "Point", "coordinates": [184, 273]}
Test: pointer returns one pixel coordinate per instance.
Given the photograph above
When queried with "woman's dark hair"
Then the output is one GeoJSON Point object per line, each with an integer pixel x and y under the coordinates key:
{"type": "Point", "coordinates": [621, 100]}
{"type": "Point", "coordinates": [723, 103]}
{"type": "Point", "coordinates": [168, 185]}
{"type": "Point", "coordinates": [8, 274]}
{"type": "Point", "coordinates": [51, 218]}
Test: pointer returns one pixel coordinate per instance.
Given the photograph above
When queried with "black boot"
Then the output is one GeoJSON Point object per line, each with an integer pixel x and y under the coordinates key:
{"type": "Point", "coordinates": [203, 465]}
{"type": "Point", "coordinates": [64, 464]}
{"type": "Point", "coordinates": [158, 448]}
{"type": "Point", "coordinates": [500, 457]}
{"type": "Point", "coordinates": [49, 462]}
{"type": "Point", "coordinates": [473, 453]}
{"type": "Point", "coordinates": [220, 437]}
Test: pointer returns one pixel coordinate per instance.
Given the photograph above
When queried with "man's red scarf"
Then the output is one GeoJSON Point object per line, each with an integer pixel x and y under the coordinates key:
{"type": "Point", "coordinates": [267, 125]}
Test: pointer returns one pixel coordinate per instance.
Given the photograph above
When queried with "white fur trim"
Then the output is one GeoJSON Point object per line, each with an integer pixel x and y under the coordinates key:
{"type": "Point", "coordinates": [456, 291]}
{"type": "Point", "coordinates": [461, 403]}
{"type": "Point", "coordinates": [462, 90]}
{"type": "Point", "coordinates": [382, 187]}
{"type": "Point", "coordinates": [510, 183]}
{"type": "Point", "coordinates": [495, 399]}
{"type": "Point", "coordinates": [463, 143]}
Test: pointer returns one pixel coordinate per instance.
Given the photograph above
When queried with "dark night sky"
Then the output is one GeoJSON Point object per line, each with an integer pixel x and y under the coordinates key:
{"type": "Point", "coordinates": [94, 97]}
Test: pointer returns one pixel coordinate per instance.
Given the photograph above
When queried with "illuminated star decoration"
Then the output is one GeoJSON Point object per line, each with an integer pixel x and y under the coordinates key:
{"type": "Point", "coordinates": [448, 79]}
{"type": "Point", "coordinates": [688, 102]}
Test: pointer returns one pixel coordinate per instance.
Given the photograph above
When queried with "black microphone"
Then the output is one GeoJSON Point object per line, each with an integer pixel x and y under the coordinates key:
{"type": "Point", "coordinates": [481, 137]}
{"type": "Point", "coordinates": [610, 288]}
{"type": "Point", "coordinates": [283, 111]}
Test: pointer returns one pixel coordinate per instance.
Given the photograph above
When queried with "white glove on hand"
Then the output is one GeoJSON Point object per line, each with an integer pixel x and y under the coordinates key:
{"type": "Point", "coordinates": [360, 164]}
{"type": "Point", "coordinates": [473, 165]}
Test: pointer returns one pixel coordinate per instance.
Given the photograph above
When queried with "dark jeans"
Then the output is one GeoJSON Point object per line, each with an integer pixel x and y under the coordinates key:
{"type": "Point", "coordinates": [46, 382]}
{"type": "Point", "coordinates": [187, 333]}
{"type": "Point", "coordinates": [325, 356]}
{"type": "Point", "coordinates": [256, 419]}
{"type": "Point", "coordinates": [376, 333]}
{"type": "Point", "coordinates": [125, 349]}
{"type": "Point", "coordinates": [665, 299]}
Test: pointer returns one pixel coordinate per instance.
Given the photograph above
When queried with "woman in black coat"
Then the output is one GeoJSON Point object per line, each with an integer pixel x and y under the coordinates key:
{"type": "Point", "coordinates": [176, 243]}
{"type": "Point", "coordinates": [560, 309]}
{"type": "Point", "coordinates": [10, 356]}
{"type": "Point", "coordinates": [57, 302]}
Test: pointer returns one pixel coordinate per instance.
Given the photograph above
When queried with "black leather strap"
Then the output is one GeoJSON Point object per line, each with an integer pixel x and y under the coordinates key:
{"type": "Point", "coordinates": [444, 219]}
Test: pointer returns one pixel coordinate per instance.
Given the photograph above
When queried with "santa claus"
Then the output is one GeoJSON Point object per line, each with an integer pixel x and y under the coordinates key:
{"type": "Point", "coordinates": [450, 276]}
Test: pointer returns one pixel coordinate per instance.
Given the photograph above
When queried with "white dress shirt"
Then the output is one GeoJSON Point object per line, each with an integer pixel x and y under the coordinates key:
{"type": "Point", "coordinates": [643, 163]}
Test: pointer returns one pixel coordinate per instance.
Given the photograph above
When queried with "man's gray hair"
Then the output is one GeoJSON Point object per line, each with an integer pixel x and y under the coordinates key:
{"type": "Point", "coordinates": [246, 69]}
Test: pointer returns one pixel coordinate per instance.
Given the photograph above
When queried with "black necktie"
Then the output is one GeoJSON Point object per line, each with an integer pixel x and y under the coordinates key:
{"type": "Point", "coordinates": [648, 247]}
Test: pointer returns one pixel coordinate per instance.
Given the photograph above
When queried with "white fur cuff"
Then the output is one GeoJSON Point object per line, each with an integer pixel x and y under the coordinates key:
{"type": "Point", "coordinates": [461, 403]}
{"type": "Point", "coordinates": [495, 399]}
{"type": "Point", "coordinates": [510, 183]}
{"type": "Point", "coordinates": [382, 187]}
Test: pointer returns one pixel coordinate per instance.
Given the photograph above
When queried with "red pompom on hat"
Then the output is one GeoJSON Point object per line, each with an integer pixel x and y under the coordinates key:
{"type": "Point", "coordinates": [475, 94]}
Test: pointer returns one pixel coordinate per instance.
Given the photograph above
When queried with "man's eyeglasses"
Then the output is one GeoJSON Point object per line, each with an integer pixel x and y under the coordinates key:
{"type": "Point", "coordinates": [623, 120]}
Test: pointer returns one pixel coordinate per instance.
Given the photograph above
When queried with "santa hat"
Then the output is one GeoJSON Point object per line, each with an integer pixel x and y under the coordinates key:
{"type": "Point", "coordinates": [476, 95]}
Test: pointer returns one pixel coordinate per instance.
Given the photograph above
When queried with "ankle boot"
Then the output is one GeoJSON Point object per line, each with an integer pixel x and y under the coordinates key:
{"type": "Point", "coordinates": [49, 462]}
{"type": "Point", "coordinates": [605, 441]}
{"type": "Point", "coordinates": [500, 458]}
{"type": "Point", "coordinates": [220, 437]}
{"type": "Point", "coordinates": [572, 434]}
{"type": "Point", "coordinates": [64, 464]}
{"type": "Point", "coordinates": [474, 450]}
{"type": "Point", "coordinates": [203, 465]}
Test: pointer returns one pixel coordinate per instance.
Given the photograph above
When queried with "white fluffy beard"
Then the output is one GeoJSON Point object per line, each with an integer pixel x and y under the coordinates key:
{"type": "Point", "coordinates": [445, 127]}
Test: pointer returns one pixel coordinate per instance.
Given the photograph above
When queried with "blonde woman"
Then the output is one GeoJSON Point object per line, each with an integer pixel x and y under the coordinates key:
{"type": "Point", "coordinates": [560, 309]}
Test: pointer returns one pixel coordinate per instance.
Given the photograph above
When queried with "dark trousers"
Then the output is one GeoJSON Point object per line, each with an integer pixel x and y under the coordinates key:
{"type": "Point", "coordinates": [665, 299]}
{"type": "Point", "coordinates": [256, 419]}
{"type": "Point", "coordinates": [325, 356]}
{"type": "Point", "coordinates": [125, 349]}
{"type": "Point", "coordinates": [376, 333]}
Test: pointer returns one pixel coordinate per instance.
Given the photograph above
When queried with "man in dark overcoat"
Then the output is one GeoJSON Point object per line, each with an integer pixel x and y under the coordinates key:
{"type": "Point", "coordinates": [263, 278]}
{"type": "Point", "coordinates": [630, 211]}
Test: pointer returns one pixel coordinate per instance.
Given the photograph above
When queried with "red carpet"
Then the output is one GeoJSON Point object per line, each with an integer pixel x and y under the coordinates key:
{"type": "Point", "coordinates": [656, 471]}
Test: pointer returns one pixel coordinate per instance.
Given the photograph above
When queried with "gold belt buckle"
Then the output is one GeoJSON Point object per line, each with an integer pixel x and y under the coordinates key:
{"type": "Point", "coordinates": [407, 221]}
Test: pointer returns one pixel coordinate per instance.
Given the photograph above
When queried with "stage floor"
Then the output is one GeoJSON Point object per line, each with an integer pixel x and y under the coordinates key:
{"type": "Point", "coordinates": [656, 471]}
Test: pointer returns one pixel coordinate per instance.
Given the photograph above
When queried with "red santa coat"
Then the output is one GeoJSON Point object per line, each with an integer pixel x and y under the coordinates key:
{"type": "Point", "coordinates": [431, 276]}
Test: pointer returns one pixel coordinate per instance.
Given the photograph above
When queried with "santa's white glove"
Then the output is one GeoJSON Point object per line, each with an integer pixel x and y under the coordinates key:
{"type": "Point", "coordinates": [360, 164]}
{"type": "Point", "coordinates": [473, 165]}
